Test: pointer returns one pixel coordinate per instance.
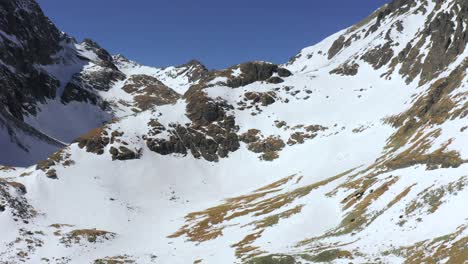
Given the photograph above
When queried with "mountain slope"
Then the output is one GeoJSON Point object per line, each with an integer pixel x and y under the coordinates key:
{"type": "Point", "coordinates": [48, 80]}
{"type": "Point", "coordinates": [354, 151]}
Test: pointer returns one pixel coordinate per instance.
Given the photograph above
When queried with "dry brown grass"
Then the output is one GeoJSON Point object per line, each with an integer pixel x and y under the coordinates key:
{"type": "Point", "coordinates": [432, 197]}
{"type": "Point", "coordinates": [451, 248]}
{"type": "Point", "coordinates": [209, 224]}
{"type": "Point", "coordinates": [89, 235]}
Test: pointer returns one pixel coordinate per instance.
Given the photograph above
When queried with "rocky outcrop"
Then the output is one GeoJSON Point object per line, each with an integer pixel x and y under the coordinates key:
{"type": "Point", "coordinates": [210, 135]}
{"type": "Point", "coordinates": [94, 141]}
{"type": "Point", "coordinates": [448, 40]}
{"type": "Point", "coordinates": [149, 91]}
{"type": "Point", "coordinates": [379, 56]}
{"type": "Point", "coordinates": [346, 69]}
{"type": "Point", "coordinates": [257, 71]}
{"type": "Point", "coordinates": [211, 143]}
{"type": "Point", "coordinates": [194, 70]}
{"type": "Point", "coordinates": [124, 153]}
{"type": "Point", "coordinates": [269, 147]}
{"type": "Point", "coordinates": [264, 99]}
{"type": "Point", "coordinates": [27, 38]}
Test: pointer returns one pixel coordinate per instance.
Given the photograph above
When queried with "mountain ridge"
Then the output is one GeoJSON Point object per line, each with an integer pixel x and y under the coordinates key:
{"type": "Point", "coordinates": [353, 151]}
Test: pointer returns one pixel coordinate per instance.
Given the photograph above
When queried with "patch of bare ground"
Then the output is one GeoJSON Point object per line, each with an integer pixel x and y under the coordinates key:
{"type": "Point", "coordinates": [451, 248]}
{"type": "Point", "coordinates": [430, 199]}
{"type": "Point", "coordinates": [123, 259]}
{"type": "Point", "coordinates": [86, 235]}
{"type": "Point", "coordinates": [210, 223]}
{"type": "Point", "coordinates": [60, 157]}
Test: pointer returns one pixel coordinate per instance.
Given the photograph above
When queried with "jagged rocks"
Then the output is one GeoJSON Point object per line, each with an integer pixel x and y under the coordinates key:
{"type": "Point", "coordinates": [299, 138]}
{"type": "Point", "coordinates": [379, 56]}
{"type": "Point", "coordinates": [124, 153]}
{"type": "Point", "coordinates": [282, 72]}
{"type": "Point", "coordinates": [155, 127]}
{"type": "Point", "coordinates": [394, 7]}
{"type": "Point", "coordinates": [346, 69]}
{"type": "Point", "coordinates": [341, 43]}
{"type": "Point", "coordinates": [195, 70]}
{"type": "Point", "coordinates": [251, 136]}
{"type": "Point", "coordinates": [275, 80]}
{"type": "Point", "coordinates": [149, 91]}
{"type": "Point", "coordinates": [257, 71]}
{"type": "Point", "coordinates": [28, 39]}
{"type": "Point", "coordinates": [211, 143]}
{"type": "Point", "coordinates": [12, 197]}
{"type": "Point", "coordinates": [61, 157]}
{"type": "Point", "coordinates": [38, 36]}
{"type": "Point", "coordinates": [242, 75]}
{"type": "Point", "coordinates": [336, 47]}
{"type": "Point", "coordinates": [202, 110]}
{"type": "Point", "coordinates": [94, 141]}
{"type": "Point", "coordinates": [448, 40]}
{"type": "Point", "coordinates": [105, 60]}
{"type": "Point", "coordinates": [309, 132]}
{"type": "Point", "coordinates": [73, 92]}
{"type": "Point", "coordinates": [268, 147]}
{"type": "Point", "coordinates": [264, 99]}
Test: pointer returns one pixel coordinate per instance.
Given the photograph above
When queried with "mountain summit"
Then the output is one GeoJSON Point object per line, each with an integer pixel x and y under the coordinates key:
{"type": "Point", "coordinates": [354, 151]}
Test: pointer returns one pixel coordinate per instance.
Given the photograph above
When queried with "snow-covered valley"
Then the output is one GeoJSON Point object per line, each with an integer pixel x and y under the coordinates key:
{"type": "Point", "coordinates": [355, 151]}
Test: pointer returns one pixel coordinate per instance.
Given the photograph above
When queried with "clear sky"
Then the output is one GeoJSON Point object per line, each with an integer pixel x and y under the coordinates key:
{"type": "Point", "coordinates": [219, 33]}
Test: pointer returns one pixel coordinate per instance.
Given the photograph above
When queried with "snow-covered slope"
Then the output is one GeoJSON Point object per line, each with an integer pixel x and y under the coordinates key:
{"type": "Point", "coordinates": [354, 151]}
{"type": "Point", "coordinates": [64, 89]}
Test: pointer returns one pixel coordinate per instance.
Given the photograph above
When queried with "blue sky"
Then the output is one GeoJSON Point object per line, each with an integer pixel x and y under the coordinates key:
{"type": "Point", "coordinates": [219, 33]}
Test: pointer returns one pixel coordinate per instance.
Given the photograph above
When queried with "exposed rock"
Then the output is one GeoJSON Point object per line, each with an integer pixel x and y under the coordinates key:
{"type": "Point", "coordinates": [124, 153]}
{"type": "Point", "coordinates": [155, 127]}
{"type": "Point", "coordinates": [346, 69]}
{"type": "Point", "coordinates": [280, 124]}
{"type": "Point", "coordinates": [86, 235]}
{"type": "Point", "coordinates": [275, 80]}
{"type": "Point", "coordinates": [12, 197]}
{"type": "Point", "coordinates": [195, 70]}
{"type": "Point", "coordinates": [149, 91]}
{"type": "Point", "coordinates": [105, 59]}
{"type": "Point", "coordinates": [265, 99]}
{"type": "Point", "coordinates": [52, 174]}
{"type": "Point", "coordinates": [269, 147]}
{"type": "Point", "coordinates": [251, 136]}
{"type": "Point", "coordinates": [299, 138]}
{"type": "Point", "coordinates": [73, 92]}
{"type": "Point", "coordinates": [340, 43]}
{"type": "Point", "coordinates": [214, 143]}
{"type": "Point", "coordinates": [282, 72]}
{"type": "Point", "coordinates": [203, 110]}
{"type": "Point", "coordinates": [393, 8]}
{"type": "Point", "coordinates": [379, 56]}
{"type": "Point", "coordinates": [61, 157]}
{"type": "Point", "coordinates": [94, 141]}
{"type": "Point", "coordinates": [448, 38]}
{"type": "Point", "coordinates": [336, 47]}
{"type": "Point", "coordinates": [315, 128]}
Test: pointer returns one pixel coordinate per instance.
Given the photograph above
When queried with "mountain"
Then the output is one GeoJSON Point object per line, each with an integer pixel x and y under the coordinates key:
{"type": "Point", "coordinates": [354, 151]}
{"type": "Point", "coordinates": [48, 80]}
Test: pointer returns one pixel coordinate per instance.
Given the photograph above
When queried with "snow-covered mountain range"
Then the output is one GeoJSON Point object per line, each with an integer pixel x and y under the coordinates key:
{"type": "Point", "coordinates": [354, 151]}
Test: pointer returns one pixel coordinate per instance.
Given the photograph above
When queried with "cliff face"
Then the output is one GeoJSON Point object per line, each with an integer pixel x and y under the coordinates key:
{"type": "Point", "coordinates": [28, 38]}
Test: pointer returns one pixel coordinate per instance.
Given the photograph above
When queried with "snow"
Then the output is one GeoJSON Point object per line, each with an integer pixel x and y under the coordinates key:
{"type": "Point", "coordinates": [146, 200]}
{"type": "Point", "coordinates": [67, 122]}
{"type": "Point", "coordinates": [11, 38]}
